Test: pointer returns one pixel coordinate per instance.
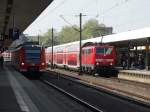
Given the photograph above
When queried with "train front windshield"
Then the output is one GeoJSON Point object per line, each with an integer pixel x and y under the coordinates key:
{"type": "Point", "coordinates": [32, 54]}
{"type": "Point", "coordinates": [101, 50]}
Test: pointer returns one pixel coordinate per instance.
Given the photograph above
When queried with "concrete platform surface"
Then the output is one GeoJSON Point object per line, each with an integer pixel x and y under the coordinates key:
{"type": "Point", "coordinates": [19, 94]}
{"type": "Point", "coordinates": [8, 101]}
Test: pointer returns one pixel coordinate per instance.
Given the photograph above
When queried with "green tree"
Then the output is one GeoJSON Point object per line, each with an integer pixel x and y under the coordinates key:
{"type": "Point", "coordinates": [91, 29]}
{"type": "Point", "coordinates": [71, 33]}
{"type": "Point", "coordinates": [46, 38]}
{"type": "Point", "coordinates": [68, 34]}
{"type": "Point", "coordinates": [32, 38]}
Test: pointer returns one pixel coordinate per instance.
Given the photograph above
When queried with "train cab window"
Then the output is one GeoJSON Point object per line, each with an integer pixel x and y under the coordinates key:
{"type": "Point", "coordinates": [104, 50]}
{"type": "Point", "coordinates": [108, 50]}
{"type": "Point", "coordinates": [32, 52]}
{"type": "Point", "coordinates": [99, 50]}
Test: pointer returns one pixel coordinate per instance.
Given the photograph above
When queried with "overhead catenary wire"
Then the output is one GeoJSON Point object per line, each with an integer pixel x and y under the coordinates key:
{"type": "Point", "coordinates": [69, 23]}
{"type": "Point", "coordinates": [61, 4]}
{"type": "Point", "coordinates": [103, 13]}
{"type": "Point", "coordinates": [89, 4]}
{"type": "Point", "coordinates": [97, 15]}
{"type": "Point", "coordinates": [131, 20]}
{"type": "Point", "coordinates": [72, 24]}
{"type": "Point", "coordinates": [109, 9]}
{"type": "Point", "coordinates": [53, 10]}
{"type": "Point", "coordinates": [115, 6]}
{"type": "Point", "coordinates": [97, 3]}
{"type": "Point", "coordinates": [62, 17]}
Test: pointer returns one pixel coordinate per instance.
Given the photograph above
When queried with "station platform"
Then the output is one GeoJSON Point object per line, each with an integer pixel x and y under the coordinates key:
{"type": "Point", "coordinates": [8, 101]}
{"type": "Point", "coordinates": [19, 94]}
{"type": "Point", "coordinates": [135, 75]}
{"type": "Point", "coordinates": [13, 97]}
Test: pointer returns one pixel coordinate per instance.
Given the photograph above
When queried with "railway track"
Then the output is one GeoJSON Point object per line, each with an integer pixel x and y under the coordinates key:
{"type": "Point", "coordinates": [80, 101]}
{"type": "Point", "coordinates": [112, 84]}
{"type": "Point", "coordinates": [115, 79]}
{"type": "Point", "coordinates": [75, 90]}
{"type": "Point", "coordinates": [48, 99]}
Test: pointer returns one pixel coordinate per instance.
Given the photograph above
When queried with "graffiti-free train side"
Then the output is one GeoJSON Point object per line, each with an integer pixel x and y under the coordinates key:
{"type": "Point", "coordinates": [29, 56]}
{"type": "Point", "coordinates": [96, 58]}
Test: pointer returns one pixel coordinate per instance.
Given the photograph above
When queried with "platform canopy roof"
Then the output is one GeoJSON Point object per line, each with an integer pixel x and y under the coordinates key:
{"type": "Point", "coordinates": [138, 37]}
{"type": "Point", "coordinates": [22, 12]}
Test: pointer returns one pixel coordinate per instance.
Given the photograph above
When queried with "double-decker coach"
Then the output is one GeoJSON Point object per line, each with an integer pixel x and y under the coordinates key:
{"type": "Point", "coordinates": [29, 57]}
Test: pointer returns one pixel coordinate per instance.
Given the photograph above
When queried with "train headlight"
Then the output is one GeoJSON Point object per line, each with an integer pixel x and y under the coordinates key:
{"type": "Point", "coordinates": [43, 64]}
{"type": "Point", "coordinates": [22, 63]}
{"type": "Point", "coordinates": [111, 64]}
{"type": "Point", "coordinates": [97, 63]}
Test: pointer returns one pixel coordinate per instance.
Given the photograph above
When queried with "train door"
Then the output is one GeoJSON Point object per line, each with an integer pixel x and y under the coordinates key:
{"type": "Point", "coordinates": [64, 57]}
{"type": "Point", "coordinates": [89, 56]}
{"type": "Point", "coordinates": [83, 57]}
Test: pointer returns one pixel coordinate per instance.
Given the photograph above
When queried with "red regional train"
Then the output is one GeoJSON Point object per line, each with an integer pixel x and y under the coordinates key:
{"type": "Point", "coordinates": [29, 57]}
{"type": "Point", "coordinates": [95, 57]}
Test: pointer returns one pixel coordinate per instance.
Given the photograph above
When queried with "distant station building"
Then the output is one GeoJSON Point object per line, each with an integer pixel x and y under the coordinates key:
{"type": "Point", "coordinates": [105, 30]}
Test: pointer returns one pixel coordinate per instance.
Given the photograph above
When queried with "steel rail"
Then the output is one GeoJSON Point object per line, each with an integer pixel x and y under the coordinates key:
{"type": "Point", "coordinates": [80, 101]}
{"type": "Point", "coordinates": [107, 89]}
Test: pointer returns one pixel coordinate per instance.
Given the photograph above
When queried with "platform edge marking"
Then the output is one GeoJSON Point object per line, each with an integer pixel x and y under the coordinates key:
{"type": "Point", "coordinates": [22, 98]}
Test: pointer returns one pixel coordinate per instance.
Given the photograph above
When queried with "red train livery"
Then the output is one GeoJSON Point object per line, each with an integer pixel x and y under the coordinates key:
{"type": "Point", "coordinates": [98, 57]}
{"type": "Point", "coordinates": [95, 57]}
{"type": "Point", "coordinates": [29, 57]}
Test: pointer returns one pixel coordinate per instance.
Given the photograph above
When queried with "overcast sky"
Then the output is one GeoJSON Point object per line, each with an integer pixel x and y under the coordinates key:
{"type": "Point", "coordinates": [122, 15]}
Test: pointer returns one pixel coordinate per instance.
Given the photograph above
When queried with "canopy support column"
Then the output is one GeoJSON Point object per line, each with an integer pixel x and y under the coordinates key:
{"type": "Point", "coordinates": [128, 56]}
{"type": "Point", "coordinates": [147, 54]}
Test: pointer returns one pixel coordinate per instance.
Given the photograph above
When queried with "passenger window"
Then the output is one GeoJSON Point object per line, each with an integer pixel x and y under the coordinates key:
{"type": "Point", "coordinates": [89, 51]}
{"type": "Point", "coordinates": [83, 51]}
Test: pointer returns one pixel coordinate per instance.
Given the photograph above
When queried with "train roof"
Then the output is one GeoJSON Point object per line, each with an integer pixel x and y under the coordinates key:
{"type": "Point", "coordinates": [31, 43]}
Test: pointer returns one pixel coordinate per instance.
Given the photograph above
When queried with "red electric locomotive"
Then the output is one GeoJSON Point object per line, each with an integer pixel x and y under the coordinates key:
{"type": "Point", "coordinates": [97, 58]}
{"type": "Point", "coordinates": [29, 57]}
